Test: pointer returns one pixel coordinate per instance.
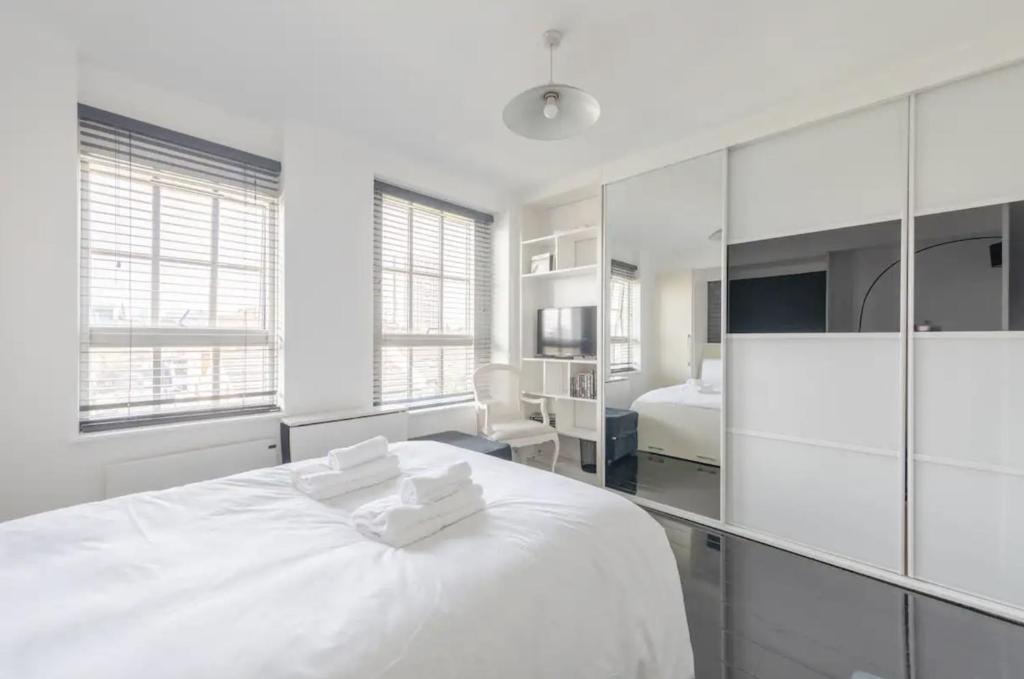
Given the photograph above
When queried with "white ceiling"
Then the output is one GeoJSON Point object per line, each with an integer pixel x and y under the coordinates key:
{"type": "Point", "coordinates": [430, 78]}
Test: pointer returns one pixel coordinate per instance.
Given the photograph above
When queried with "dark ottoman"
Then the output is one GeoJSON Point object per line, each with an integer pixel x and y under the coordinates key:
{"type": "Point", "coordinates": [470, 442]}
{"type": "Point", "coordinates": [620, 428]}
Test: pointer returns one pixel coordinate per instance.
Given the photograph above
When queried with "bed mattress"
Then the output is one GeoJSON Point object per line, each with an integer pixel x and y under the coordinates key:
{"type": "Point", "coordinates": [245, 577]}
{"type": "Point", "coordinates": [686, 394]}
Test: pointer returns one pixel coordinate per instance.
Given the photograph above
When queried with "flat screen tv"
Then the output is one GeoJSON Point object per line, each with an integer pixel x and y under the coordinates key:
{"type": "Point", "coordinates": [567, 332]}
{"type": "Point", "coordinates": [791, 303]}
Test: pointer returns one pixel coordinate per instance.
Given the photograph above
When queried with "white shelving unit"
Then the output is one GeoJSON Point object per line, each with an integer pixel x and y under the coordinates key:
{"type": "Point", "coordinates": [541, 359]}
{"type": "Point", "coordinates": [564, 233]}
{"type": "Point", "coordinates": [586, 269]}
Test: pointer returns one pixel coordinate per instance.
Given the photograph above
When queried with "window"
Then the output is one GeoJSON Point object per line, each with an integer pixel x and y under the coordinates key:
{"type": "Point", "coordinates": [624, 318]}
{"type": "Point", "coordinates": [432, 298]}
{"type": "Point", "coordinates": [179, 276]}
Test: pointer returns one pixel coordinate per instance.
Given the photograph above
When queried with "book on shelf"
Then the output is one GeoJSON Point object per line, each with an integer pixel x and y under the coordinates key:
{"type": "Point", "coordinates": [542, 263]}
{"type": "Point", "coordinates": [583, 385]}
{"type": "Point", "coordinates": [536, 416]}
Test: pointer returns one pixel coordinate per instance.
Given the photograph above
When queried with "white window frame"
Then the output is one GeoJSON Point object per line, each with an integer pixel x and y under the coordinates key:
{"type": "Point", "coordinates": [630, 315]}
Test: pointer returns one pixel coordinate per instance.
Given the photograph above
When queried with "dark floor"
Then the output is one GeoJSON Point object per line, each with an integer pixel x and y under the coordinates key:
{"type": "Point", "coordinates": [678, 483]}
{"type": "Point", "coordinates": [756, 612]}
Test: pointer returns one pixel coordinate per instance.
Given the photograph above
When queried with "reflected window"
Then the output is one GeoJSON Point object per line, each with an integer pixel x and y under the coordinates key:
{"type": "Point", "coordinates": [624, 318]}
{"type": "Point", "coordinates": [837, 280]}
{"type": "Point", "coordinates": [964, 273]}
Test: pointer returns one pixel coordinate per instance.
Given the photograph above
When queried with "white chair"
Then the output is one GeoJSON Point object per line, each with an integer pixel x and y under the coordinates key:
{"type": "Point", "coordinates": [499, 404]}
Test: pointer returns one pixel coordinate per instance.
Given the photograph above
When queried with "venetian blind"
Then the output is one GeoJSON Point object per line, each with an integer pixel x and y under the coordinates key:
{"type": "Point", "coordinates": [179, 276]}
{"type": "Point", "coordinates": [432, 297]}
{"type": "Point", "coordinates": [714, 312]}
{"type": "Point", "coordinates": [623, 318]}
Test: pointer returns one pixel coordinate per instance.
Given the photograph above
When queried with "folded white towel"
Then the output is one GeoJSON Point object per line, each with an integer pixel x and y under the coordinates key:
{"type": "Point", "coordinates": [322, 482]}
{"type": "Point", "coordinates": [421, 489]}
{"type": "Point", "coordinates": [397, 524]}
{"type": "Point", "coordinates": [360, 453]}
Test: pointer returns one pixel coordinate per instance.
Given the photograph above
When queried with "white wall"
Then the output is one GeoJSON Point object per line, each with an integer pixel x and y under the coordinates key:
{"type": "Point", "coordinates": [328, 300]}
{"type": "Point", "coordinates": [673, 344]}
{"type": "Point", "coordinates": [955, 286]}
{"type": "Point", "coordinates": [103, 88]}
{"type": "Point", "coordinates": [38, 279]}
{"type": "Point", "coordinates": [850, 275]}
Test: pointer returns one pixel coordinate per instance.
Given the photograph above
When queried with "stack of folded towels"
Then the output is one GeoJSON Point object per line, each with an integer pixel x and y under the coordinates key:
{"type": "Point", "coordinates": [426, 503]}
{"type": "Point", "coordinates": [347, 469]}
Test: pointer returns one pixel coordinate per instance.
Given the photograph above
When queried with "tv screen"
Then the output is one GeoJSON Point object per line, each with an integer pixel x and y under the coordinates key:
{"type": "Point", "coordinates": [793, 303]}
{"type": "Point", "coordinates": [567, 332]}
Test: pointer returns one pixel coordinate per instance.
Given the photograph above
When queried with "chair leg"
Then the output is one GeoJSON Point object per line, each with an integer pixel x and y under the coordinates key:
{"type": "Point", "coordinates": [554, 461]}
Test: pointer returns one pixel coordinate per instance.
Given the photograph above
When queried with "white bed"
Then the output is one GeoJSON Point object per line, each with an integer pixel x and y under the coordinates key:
{"type": "Point", "coordinates": [244, 577]}
{"type": "Point", "coordinates": [683, 420]}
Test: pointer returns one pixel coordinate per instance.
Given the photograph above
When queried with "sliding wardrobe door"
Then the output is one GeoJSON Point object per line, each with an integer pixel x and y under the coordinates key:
{"type": "Point", "coordinates": [967, 353]}
{"type": "Point", "coordinates": [815, 395]}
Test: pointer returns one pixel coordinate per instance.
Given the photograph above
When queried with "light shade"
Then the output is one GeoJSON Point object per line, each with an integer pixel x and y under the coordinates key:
{"type": "Point", "coordinates": [577, 111]}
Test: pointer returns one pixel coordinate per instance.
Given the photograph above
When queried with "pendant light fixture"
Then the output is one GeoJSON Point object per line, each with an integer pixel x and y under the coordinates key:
{"type": "Point", "coordinates": [552, 111]}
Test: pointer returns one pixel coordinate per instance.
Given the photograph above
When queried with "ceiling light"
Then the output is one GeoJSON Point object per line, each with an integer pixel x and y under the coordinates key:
{"type": "Point", "coordinates": [552, 111]}
{"type": "Point", "coordinates": [550, 105]}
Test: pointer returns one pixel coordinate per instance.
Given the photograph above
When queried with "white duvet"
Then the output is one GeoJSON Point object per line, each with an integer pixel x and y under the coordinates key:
{"type": "Point", "coordinates": [686, 394]}
{"type": "Point", "coordinates": [244, 577]}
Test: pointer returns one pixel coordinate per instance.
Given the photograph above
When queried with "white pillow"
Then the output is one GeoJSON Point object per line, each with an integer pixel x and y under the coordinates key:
{"type": "Point", "coordinates": [711, 372]}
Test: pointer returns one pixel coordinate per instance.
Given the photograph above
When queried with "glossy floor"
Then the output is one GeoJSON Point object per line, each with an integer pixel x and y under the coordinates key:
{"type": "Point", "coordinates": [678, 483]}
{"type": "Point", "coordinates": [759, 612]}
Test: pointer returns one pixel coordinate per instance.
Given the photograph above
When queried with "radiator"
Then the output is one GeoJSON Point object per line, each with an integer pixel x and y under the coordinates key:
{"type": "Point", "coordinates": [307, 436]}
{"type": "Point", "coordinates": [175, 469]}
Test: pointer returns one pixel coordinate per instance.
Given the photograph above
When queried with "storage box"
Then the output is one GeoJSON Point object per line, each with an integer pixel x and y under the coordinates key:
{"type": "Point", "coordinates": [620, 433]}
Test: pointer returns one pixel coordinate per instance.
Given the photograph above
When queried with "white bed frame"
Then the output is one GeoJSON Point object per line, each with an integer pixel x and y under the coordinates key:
{"type": "Point", "coordinates": [680, 431]}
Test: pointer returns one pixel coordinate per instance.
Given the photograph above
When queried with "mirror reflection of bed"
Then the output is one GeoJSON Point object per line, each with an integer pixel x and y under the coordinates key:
{"type": "Point", "coordinates": [663, 392]}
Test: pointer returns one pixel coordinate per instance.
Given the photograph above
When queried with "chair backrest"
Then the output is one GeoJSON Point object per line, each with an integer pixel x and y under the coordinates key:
{"type": "Point", "coordinates": [497, 385]}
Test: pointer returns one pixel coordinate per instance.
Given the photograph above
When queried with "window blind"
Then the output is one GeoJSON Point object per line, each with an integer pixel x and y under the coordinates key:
{"type": "Point", "coordinates": [432, 294]}
{"type": "Point", "coordinates": [714, 312]}
{"type": "Point", "coordinates": [179, 276]}
{"type": "Point", "coordinates": [623, 318]}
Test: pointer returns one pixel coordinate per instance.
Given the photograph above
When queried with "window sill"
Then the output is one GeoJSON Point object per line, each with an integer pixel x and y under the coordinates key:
{"type": "Point", "coordinates": [440, 407]}
{"type": "Point", "coordinates": [153, 429]}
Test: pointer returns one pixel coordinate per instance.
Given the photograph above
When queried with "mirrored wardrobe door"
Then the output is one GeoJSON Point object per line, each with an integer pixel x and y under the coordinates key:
{"type": "Point", "coordinates": [967, 370]}
{"type": "Point", "coordinates": [663, 358]}
{"type": "Point", "coordinates": [815, 398]}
